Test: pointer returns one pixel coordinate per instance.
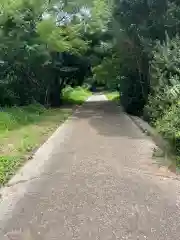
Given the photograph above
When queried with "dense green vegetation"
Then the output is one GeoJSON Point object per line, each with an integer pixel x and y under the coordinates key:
{"type": "Point", "coordinates": [41, 52]}
{"type": "Point", "coordinates": [75, 95]}
{"type": "Point", "coordinates": [129, 45]}
{"type": "Point", "coordinates": [113, 96]}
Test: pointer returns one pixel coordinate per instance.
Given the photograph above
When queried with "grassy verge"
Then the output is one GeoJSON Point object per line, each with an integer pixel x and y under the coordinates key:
{"type": "Point", "coordinates": [21, 131]}
{"type": "Point", "coordinates": [75, 95]}
{"type": "Point", "coordinates": [113, 96]}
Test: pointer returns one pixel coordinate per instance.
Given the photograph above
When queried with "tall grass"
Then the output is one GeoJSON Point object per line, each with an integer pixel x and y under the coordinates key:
{"type": "Point", "coordinates": [12, 118]}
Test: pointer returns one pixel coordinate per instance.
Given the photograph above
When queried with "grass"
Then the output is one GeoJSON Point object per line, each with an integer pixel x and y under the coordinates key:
{"type": "Point", "coordinates": [112, 96]}
{"type": "Point", "coordinates": [75, 95]}
{"type": "Point", "coordinates": [23, 129]}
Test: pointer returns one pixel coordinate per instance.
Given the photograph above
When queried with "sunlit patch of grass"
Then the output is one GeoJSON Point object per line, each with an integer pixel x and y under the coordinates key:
{"type": "Point", "coordinates": [21, 131]}
{"type": "Point", "coordinates": [113, 96]}
{"type": "Point", "coordinates": [76, 95]}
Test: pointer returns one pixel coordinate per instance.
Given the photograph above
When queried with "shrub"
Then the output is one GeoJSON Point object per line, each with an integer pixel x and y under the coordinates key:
{"type": "Point", "coordinates": [164, 78]}
{"type": "Point", "coordinates": [169, 126]}
{"type": "Point", "coordinates": [75, 95]}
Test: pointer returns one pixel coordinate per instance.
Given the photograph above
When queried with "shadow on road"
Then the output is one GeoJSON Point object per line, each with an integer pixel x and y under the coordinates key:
{"type": "Point", "coordinates": [109, 120]}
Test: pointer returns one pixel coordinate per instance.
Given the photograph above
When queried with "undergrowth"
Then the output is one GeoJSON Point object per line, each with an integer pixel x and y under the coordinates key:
{"type": "Point", "coordinates": [21, 131]}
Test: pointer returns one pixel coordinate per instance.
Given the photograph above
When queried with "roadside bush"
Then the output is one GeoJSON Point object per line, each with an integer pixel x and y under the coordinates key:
{"type": "Point", "coordinates": [169, 126]}
{"type": "Point", "coordinates": [75, 95]}
{"type": "Point", "coordinates": [163, 107]}
{"type": "Point", "coordinates": [164, 78]}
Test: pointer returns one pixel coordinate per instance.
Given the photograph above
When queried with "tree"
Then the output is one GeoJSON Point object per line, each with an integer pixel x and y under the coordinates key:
{"type": "Point", "coordinates": [34, 39]}
{"type": "Point", "coordinates": [137, 26]}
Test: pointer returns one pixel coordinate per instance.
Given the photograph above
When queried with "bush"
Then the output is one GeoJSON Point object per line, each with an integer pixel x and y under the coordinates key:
{"type": "Point", "coordinates": [169, 126]}
{"type": "Point", "coordinates": [164, 77]}
{"type": "Point", "coordinates": [163, 107]}
{"type": "Point", "coordinates": [75, 95]}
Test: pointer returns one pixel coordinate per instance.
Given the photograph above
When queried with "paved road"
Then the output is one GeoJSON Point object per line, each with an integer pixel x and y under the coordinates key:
{"type": "Point", "coordinates": [100, 183]}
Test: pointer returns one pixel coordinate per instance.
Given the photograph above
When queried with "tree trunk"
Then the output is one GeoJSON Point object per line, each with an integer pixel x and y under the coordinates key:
{"type": "Point", "coordinates": [55, 92]}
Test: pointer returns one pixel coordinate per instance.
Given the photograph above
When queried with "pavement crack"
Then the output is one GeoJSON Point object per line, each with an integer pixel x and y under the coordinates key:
{"type": "Point", "coordinates": [30, 179]}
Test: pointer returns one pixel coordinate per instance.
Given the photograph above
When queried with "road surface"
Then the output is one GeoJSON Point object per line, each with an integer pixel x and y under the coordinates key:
{"type": "Point", "coordinates": [99, 183]}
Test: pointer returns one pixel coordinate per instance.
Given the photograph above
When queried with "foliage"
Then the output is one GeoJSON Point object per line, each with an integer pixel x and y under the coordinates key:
{"type": "Point", "coordinates": [108, 72]}
{"type": "Point", "coordinates": [100, 15]}
{"type": "Point", "coordinates": [75, 95]}
{"type": "Point", "coordinates": [164, 77]}
{"type": "Point", "coordinates": [113, 96]}
{"type": "Point", "coordinates": [168, 125]}
{"type": "Point", "coordinates": [137, 25]}
{"type": "Point", "coordinates": [32, 52]}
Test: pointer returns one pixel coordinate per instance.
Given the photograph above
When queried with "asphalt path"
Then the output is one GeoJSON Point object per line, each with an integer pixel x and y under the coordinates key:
{"type": "Point", "coordinates": [94, 179]}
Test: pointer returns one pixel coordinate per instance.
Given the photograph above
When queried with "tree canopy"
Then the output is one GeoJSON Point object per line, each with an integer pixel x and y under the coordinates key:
{"type": "Point", "coordinates": [43, 48]}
